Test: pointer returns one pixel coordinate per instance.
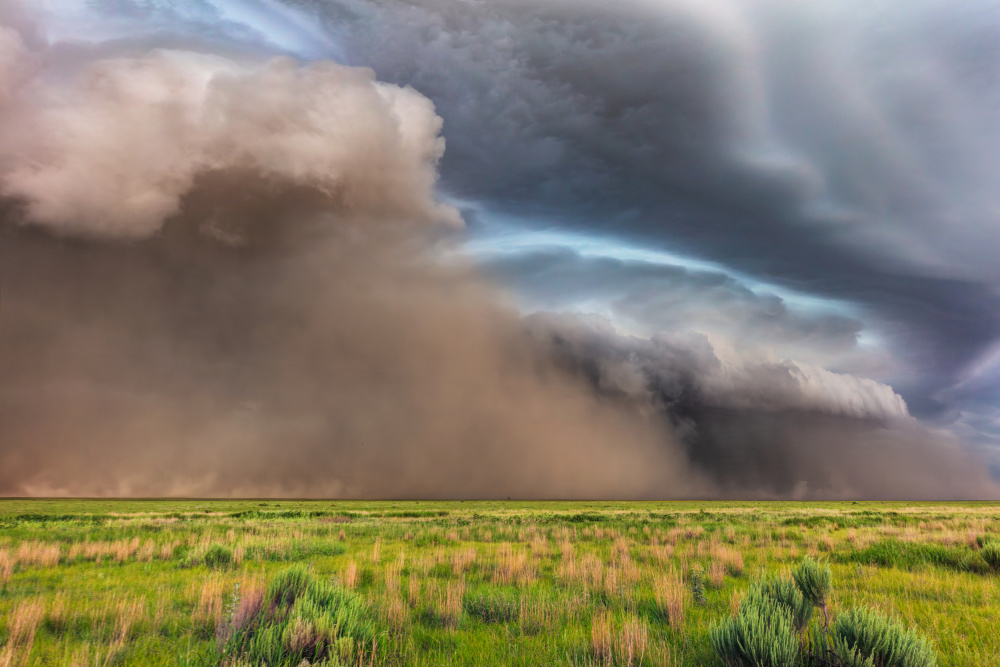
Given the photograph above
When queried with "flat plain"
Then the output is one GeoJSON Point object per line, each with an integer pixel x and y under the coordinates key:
{"type": "Point", "coordinates": [178, 582]}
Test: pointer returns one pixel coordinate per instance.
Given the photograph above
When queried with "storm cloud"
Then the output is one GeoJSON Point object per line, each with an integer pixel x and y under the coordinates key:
{"type": "Point", "coordinates": [777, 427]}
{"type": "Point", "coordinates": [233, 266]}
{"type": "Point", "coordinates": [844, 150]}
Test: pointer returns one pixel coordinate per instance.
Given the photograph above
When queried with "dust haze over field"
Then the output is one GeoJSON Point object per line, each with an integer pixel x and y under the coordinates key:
{"type": "Point", "coordinates": [228, 271]}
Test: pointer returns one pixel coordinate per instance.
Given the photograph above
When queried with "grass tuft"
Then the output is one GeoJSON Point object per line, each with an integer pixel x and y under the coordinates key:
{"type": "Point", "coordinates": [303, 619]}
{"type": "Point", "coordinates": [991, 554]}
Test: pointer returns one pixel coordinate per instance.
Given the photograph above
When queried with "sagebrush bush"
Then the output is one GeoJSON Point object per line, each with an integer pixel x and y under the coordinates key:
{"type": "Point", "coordinates": [303, 619]}
{"type": "Point", "coordinates": [785, 592]}
{"type": "Point", "coordinates": [863, 637]}
{"type": "Point", "coordinates": [761, 634]}
{"type": "Point", "coordinates": [991, 554]}
{"type": "Point", "coordinates": [814, 580]}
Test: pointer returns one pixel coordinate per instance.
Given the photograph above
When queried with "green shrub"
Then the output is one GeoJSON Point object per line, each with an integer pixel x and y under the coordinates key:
{"type": "Point", "coordinates": [815, 581]}
{"type": "Point", "coordinates": [218, 556]}
{"type": "Point", "coordinates": [983, 540]}
{"type": "Point", "coordinates": [302, 619]}
{"type": "Point", "coordinates": [784, 592]}
{"type": "Point", "coordinates": [761, 634]}
{"type": "Point", "coordinates": [864, 638]}
{"type": "Point", "coordinates": [991, 554]}
{"type": "Point", "coordinates": [698, 586]}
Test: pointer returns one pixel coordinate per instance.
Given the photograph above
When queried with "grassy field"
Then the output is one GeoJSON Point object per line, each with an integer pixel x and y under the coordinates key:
{"type": "Point", "coordinates": [93, 582]}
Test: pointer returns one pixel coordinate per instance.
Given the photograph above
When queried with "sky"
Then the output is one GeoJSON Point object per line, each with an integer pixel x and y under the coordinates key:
{"type": "Point", "coordinates": [765, 227]}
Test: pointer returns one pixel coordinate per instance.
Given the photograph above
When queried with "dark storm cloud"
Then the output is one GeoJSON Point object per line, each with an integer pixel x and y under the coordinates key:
{"type": "Point", "coordinates": [769, 428]}
{"type": "Point", "coordinates": [844, 150]}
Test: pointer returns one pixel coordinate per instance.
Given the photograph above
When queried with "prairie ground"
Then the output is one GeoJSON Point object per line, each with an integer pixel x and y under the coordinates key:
{"type": "Point", "coordinates": [169, 582]}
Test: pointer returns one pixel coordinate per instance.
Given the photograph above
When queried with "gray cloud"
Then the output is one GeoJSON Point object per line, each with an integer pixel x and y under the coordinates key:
{"type": "Point", "coordinates": [840, 150]}
{"type": "Point", "coordinates": [769, 428]}
{"type": "Point", "coordinates": [689, 367]}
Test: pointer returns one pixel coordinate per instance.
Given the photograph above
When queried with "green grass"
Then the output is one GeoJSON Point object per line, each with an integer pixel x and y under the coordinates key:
{"type": "Point", "coordinates": [159, 582]}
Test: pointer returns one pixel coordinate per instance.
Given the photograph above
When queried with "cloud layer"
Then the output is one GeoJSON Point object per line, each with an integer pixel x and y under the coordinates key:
{"type": "Point", "coordinates": [228, 272]}
{"type": "Point", "coordinates": [843, 150]}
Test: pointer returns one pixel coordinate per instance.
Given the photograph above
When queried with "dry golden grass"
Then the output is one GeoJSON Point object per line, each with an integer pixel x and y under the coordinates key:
{"type": "Point", "coordinates": [56, 617]}
{"type": "Point", "coordinates": [127, 614]}
{"type": "Point", "coordinates": [734, 602]}
{"type": "Point", "coordinates": [632, 641]}
{"type": "Point", "coordinates": [539, 546]}
{"type": "Point", "coordinates": [166, 551]}
{"type": "Point", "coordinates": [693, 532]}
{"type": "Point", "coordinates": [512, 566]}
{"type": "Point", "coordinates": [662, 553]}
{"type": "Point", "coordinates": [462, 560]}
{"type": "Point", "coordinates": [568, 569]}
{"type": "Point", "coordinates": [716, 574]}
{"type": "Point", "coordinates": [147, 551]}
{"type": "Point", "coordinates": [413, 592]}
{"type": "Point", "coordinates": [670, 594]}
{"type": "Point", "coordinates": [122, 550]}
{"type": "Point", "coordinates": [94, 551]}
{"type": "Point", "coordinates": [396, 612]}
{"type": "Point", "coordinates": [566, 550]}
{"type": "Point", "coordinates": [621, 645]}
{"type": "Point", "coordinates": [445, 602]}
{"type": "Point", "coordinates": [38, 554]}
{"type": "Point", "coordinates": [535, 615]}
{"type": "Point", "coordinates": [602, 638]}
{"type": "Point", "coordinates": [22, 624]}
{"type": "Point", "coordinates": [729, 557]}
{"type": "Point", "coordinates": [81, 658]}
{"type": "Point", "coordinates": [211, 602]}
{"type": "Point", "coordinates": [622, 547]}
{"type": "Point", "coordinates": [392, 573]}
{"type": "Point", "coordinates": [350, 575]}
{"type": "Point", "coordinates": [621, 574]}
{"type": "Point", "coordinates": [250, 591]}
{"type": "Point", "coordinates": [7, 563]}
{"type": "Point", "coordinates": [588, 571]}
